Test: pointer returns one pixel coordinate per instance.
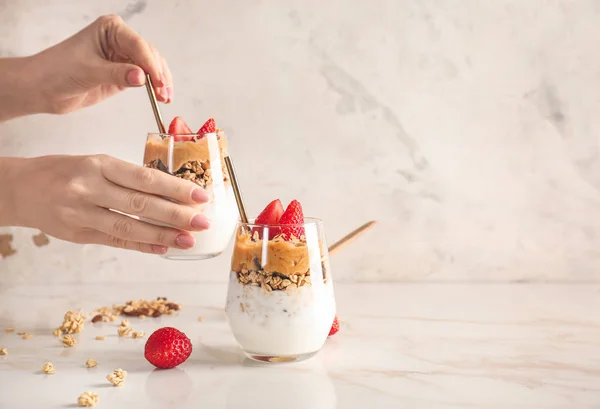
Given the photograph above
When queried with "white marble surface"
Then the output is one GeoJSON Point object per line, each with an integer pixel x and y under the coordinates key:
{"type": "Point", "coordinates": [400, 345]}
{"type": "Point", "coordinates": [468, 128]}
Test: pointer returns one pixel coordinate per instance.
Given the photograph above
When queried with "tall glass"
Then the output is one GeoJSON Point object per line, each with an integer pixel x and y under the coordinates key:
{"type": "Point", "coordinates": [280, 299]}
{"type": "Point", "coordinates": [198, 158]}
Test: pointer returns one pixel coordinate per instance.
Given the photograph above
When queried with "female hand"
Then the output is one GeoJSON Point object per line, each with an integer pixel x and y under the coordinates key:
{"type": "Point", "coordinates": [102, 59]}
{"type": "Point", "coordinates": [69, 197]}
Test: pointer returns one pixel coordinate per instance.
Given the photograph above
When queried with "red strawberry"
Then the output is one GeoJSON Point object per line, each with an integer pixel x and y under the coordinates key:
{"type": "Point", "coordinates": [270, 215]}
{"type": "Point", "coordinates": [167, 347]}
{"type": "Point", "coordinates": [177, 127]}
{"type": "Point", "coordinates": [292, 215]}
{"type": "Point", "coordinates": [208, 127]}
{"type": "Point", "coordinates": [335, 327]}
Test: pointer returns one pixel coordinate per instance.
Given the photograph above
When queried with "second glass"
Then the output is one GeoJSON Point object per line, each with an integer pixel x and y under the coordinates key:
{"type": "Point", "coordinates": [199, 159]}
{"type": "Point", "coordinates": [280, 299]}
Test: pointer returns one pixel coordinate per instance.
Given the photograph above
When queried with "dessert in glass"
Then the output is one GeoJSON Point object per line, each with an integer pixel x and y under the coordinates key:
{"type": "Point", "coordinates": [280, 298]}
{"type": "Point", "coordinates": [197, 157]}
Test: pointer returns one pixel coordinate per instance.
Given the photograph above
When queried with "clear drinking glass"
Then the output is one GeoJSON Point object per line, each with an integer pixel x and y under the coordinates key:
{"type": "Point", "coordinates": [198, 158]}
{"type": "Point", "coordinates": [280, 299]}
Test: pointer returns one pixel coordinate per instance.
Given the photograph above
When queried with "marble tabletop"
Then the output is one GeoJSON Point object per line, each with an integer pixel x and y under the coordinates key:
{"type": "Point", "coordinates": [400, 345]}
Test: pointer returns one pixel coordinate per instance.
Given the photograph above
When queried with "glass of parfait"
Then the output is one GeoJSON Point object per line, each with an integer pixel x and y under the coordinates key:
{"type": "Point", "coordinates": [280, 299]}
{"type": "Point", "coordinates": [199, 158]}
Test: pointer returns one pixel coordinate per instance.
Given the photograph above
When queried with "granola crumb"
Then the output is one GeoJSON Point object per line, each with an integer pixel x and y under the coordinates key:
{"type": "Point", "coordinates": [48, 368]}
{"type": "Point", "coordinates": [138, 334]}
{"type": "Point", "coordinates": [91, 363]}
{"type": "Point", "coordinates": [68, 341]}
{"type": "Point", "coordinates": [88, 399]}
{"type": "Point", "coordinates": [26, 336]}
{"type": "Point", "coordinates": [9, 329]}
{"type": "Point", "coordinates": [124, 331]}
{"type": "Point", "coordinates": [57, 332]}
{"type": "Point", "coordinates": [21, 333]}
{"type": "Point", "coordinates": [100, 337]}
{"type": "Point", "coordinates": [117, 378]}
{"type": "Point", "coordinates": [3, 351]}
{"type": "Point", "coordinates": [201, 318]}
{"type": "Point", "coordinates": [72, 323]}
{"type": "Point", "coordinates": [125, 323]}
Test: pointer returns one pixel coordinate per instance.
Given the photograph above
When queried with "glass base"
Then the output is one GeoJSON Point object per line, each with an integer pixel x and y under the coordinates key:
{"type": "Point", "coordinates": [279, 359]}
{"type": "Point", "coordinates": [190, 257]}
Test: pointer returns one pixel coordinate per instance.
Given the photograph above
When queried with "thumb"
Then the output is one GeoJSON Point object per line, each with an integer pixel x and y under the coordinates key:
{"type": "Point", "coordinates": [120, 74]}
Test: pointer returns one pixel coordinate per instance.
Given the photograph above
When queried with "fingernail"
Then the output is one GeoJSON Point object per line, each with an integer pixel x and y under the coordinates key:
{"type": "Point", "coordinates": [170, 93]}
{"type": "Point", "coordinates": [200, 222]}
{"type": "Point", "coordinates": [135, 78]}
{"type": "Point", "coordinates": [164, 93]}
{"type": "Point", "coordinates": [159, 249]}
{"type": "Point", "coordinates": [200, 196]}
{"type": "Point", "coordinates": [185, 241]}
{"type": "Point", "coordinates": [163, 79]}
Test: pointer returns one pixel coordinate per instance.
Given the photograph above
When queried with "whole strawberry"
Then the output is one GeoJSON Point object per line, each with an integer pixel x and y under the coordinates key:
{"type": "Point", "coordinates": [335, 327]}
{"type": "Point", "coordinates": [167, 347]}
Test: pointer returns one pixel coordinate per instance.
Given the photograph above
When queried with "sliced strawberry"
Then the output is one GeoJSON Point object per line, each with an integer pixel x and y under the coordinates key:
{"type": "Point", "coordinates": [270, 215]}
{"type": "Point", "coordinates": [208, 127]}
{"type": "Point", "coordinates": [178, 127]}
{"type": "Point", "coordinates": [292, 216]}
{"type": "Point", "coordinates": [335, 327]}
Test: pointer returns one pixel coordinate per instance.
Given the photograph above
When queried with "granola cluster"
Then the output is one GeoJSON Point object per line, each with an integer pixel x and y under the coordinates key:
{"type": "Point", "coordinates": [194, 171]}
{"type": "Point", "coordinates": [91, 363]}
{"type": "Point", "coordinates": [88, 399]}
{"type": "Point", "coordinates": [48, 368]}
{"type": "Point", "coordinates": [72, 324]}
{"type": "Point", "coordinates": [3, 351]}
{"type": "Point", "coordinates": [68, 341]}
{"type": "Point", "coordinates": [136, 308]}
{"type": "Point", "coordinates": [117, 378]}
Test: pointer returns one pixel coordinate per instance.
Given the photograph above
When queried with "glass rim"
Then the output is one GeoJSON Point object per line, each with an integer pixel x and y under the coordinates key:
{"type": "Point", "coordinates": [308, 221]}
{"type": "Point", "coordinates": [166, 135]}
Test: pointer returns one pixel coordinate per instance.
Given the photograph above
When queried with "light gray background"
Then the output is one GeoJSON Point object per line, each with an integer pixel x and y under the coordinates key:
{"type": "Point", "coordinates": [468, 128]}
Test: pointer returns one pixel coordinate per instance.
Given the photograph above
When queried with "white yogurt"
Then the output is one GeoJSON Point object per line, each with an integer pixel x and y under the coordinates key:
{"type": "Point", "coordinates": [222, 214]}
{"type": "Point", "coordinates": [280, 323]}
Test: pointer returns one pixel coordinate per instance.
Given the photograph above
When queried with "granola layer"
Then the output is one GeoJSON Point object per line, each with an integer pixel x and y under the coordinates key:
{"type": "Point", "coordinates": [274, 264]}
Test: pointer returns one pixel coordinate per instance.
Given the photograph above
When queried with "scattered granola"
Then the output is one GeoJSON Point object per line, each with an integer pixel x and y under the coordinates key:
{"type": "Point", "coordinates": [91, 363]}
{"type": "Point", "coordinates": [21, 333]}
{"type": "Point", "coordinates": [138, 334]}
{"type": "Point", "coordinates": [48, 368]}
{"type": "Point", "coordinates": [57, 332]}
{"type": "Point", "coordinates": [201, 318]}
{"type": "Point", "coordinates": [136, 308]}
{"type": "Point", "coordinates": [26, 336]}
{"type": "Point", "coordinates": [88, 399]}
{"type": "Point", "coordinates": [9, 329]}
{"type": "Point", "coordinates": [125, 323]}
{"type": "Point", "coordinates": [3, 351]}
{"type": "Point", "coordinates": [72, 323]}
{"type": "Point", "coordinates": [117, 378]}
{"type": "Point", "coordinates": [100, 338]}
{"type": "Point", "coordinates": [68, 341]}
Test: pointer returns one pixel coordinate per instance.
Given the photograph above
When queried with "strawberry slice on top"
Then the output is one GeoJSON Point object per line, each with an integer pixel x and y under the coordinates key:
{"type": "Point", "coordinates": [270, 215]}
{"type": "Point", "coordinates": [294, 218]}
{"type": "Point", "coordinates": [208, 127]}
{"type": "Point", "coordinates": [178, 127]}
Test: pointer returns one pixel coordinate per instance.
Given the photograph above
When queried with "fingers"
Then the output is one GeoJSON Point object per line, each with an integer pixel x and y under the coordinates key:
{"type": "Point", "coordinates": [164, 93]}
{"type": "Point", "coordinates": [97, 237]}
{"type": "Point", "coordinates": [125, 41]}
{"type": "Point", "coordinates": [122, 75]}
{"type": "Point", "coordinates": [152, 181]}
{"type": "Point", "coordinates": [150, 207]}
{"type": "Point", "coordinates": [127, 229]}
